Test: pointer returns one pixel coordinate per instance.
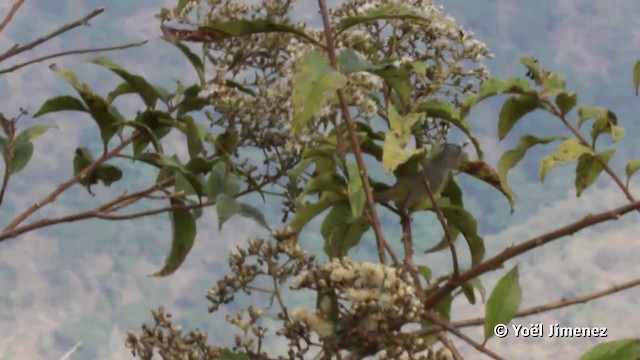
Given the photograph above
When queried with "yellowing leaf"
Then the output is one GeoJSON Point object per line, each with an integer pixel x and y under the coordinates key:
{"type": "Point", "coordinates": [401, 125]}
{"type": "Point", "coordinates": [568, 151]}
{"type": "Point", "coordinates": [394, 154]}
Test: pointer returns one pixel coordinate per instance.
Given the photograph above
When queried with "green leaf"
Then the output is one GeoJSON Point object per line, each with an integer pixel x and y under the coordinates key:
{"type": "Point", "coordinates": [512, 157]}
{"type": "Point", "coordinates": [503, 303]}
{"type": "Point", "coordinates": [585, 113]}
{"type": "Point", "coordinates": [147, 92]}
{"type": "Point", "coordinates": [385, 13]}
{"type": "Point", "coordinates": [554, 84]}
{"type": "Point", "coordinates": [425, 271]}
{"type": "Point", "coordinates": [194, 142]}
{"type": "Point", "coordinates": [192, 103]}
{"type": "Point", "coordinates": [195, 61]}
{"type": "Point", "coordinates": [462, 220]}
{"type": "Point", "coordinates": [402, 125]}
{"type": "Point", "coordinates": [183, 225]}
{"type": "Point", "coordinates": [226, 207]}
{"type": "Point", "coordinates": [122, 89]}
{"type": "Point", "coordinates": [21, 156]}
{"type": "Point", "coordinates": [31, 133]}
{"type": "Point", "coordinates": [606, 121]}
{"type": "Point", "coordinates": [626, 349]}
{"type": "Point", "coordinates": [469, 288]}
{"type": "Point", "coordinates": [308, 211]}
{"type": "Point", "coordinates": [108, 174]}
{"type": "Point", "coordinates": [253, 213]}
{"type": "Point", "coordinates": [183, 184]}
{"type": "Point", "coordinates": [589, 168]}
{"type": "Point", "coordinates": [399, 79]}
{"type": "Point", "coordinates": [61, 103]}
{"type": "Point", "coordinates": [313, 86]}
{"type": "Point", "coordinates": [419, 67]}
{"type": "Point", "coordinates": [484, 172]}
{"type": "Point", "coordinates": [325, 182]}
{"type": "Point", "coordinates": [221, 181]}
{"type": "Point", "coordinates": [617, 133]}
{"type": "Point", "coordinates": [568, 151]}
{"type": "Point", "coordinates": [513, 110]}
{"type": "Point", "coordinates": [296, 171]}
{"type": "Point", "coordinates": [493, 87]}
{"type": "Point", "coordinates": [636, 76]}
{"type": "Point", "coordinates": [357, 197]}
{"type": "Point", "coordinates": [341, 231]}
{"type": "Point", "coordinates": [566, 102]}
{"type": "Point", "coordinates": [108, 123]}
{"type": "Point", "coordinates": [631, 168]}
{"type": "Point", "coordinates": [349, 62]}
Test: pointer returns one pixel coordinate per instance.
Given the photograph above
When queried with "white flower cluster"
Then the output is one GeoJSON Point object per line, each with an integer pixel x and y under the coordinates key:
{"type": "Point", "coordinates": [378, 296]}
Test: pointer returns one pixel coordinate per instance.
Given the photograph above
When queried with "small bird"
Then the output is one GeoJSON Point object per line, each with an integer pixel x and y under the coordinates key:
{"type": "Point", "coordinates": [409, 192]}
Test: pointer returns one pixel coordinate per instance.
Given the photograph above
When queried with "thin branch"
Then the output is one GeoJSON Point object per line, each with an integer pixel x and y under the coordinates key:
{"type": "Point", "coordinates": [12, 12]}
{"type": "Point", "coordinates": [113, 205]}
{"type": "Point", "coordinates": [555, 110]}
{"type": "Point", "coordinates": [68, 354]}
{"type": "Point", "coordinates": [156, 211]}
{"type": "Point", "coordinates": [375, 220]}
{"type": "Point", "coordinates": [67, 184]}
{"type": "Point", "coordinates": [407, 241]}
{"type": "Point", "coordinates": [450, 328]}
{"type": "Point", "coordinates": [513, 251]}
{"type": "Point", "coordinates": [540, 308]}
{"type": "Point", "coordinates": [70, 52]}
{"type": "Point", "coordinates": [450, 345]}
{"type": "Point", "coordinates": [443, 222]}
{"type": "Point", "coordinates": [19, 49]}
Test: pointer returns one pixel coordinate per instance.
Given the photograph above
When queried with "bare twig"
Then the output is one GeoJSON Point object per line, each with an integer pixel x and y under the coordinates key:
{"type": "Point", "coordinates": [19, 49]}
{"type": "Point", "coordinates": [513, 251]}
{"type": "Point", "coordinates": [67, 184]}
{"type": "Point", "coordinates": [12, 12]}
{"type": "Point", "coordinates": [70, 52]}
{"type": "Point", "coordinates": [443, 222]}
{"type": "Point", "coordinates": [371, 206]}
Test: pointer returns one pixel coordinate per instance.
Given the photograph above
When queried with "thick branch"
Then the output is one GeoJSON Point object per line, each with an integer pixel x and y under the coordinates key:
{"type": "Point", "coordinates": [513, 251]}
{"type": "Point", "coordinates": [19, 49]}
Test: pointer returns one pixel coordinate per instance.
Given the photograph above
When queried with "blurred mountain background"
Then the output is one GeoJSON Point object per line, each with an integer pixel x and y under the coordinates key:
{"type": "Point", "coordinates": [88, 281]}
